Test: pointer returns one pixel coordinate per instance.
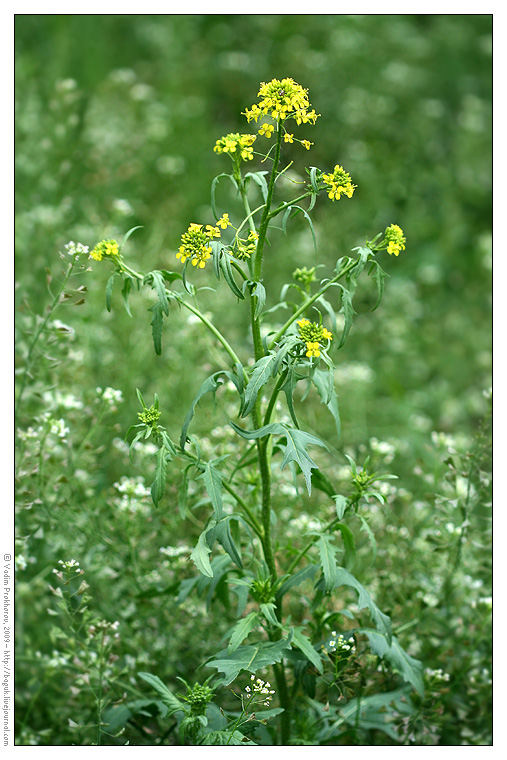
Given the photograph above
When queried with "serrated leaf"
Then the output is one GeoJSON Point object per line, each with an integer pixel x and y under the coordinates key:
{"type": "Point", "coordinates": [213, 483]}
{"type": "Point", "coordinates": [173, 703]}
{"type": "Point", "coordinates": [327, 554]}
{"type": "Point", "coordinates": [303, 643]}
{"type": "Point", "coordinates": [241, 630]}
{"type": "Point", "coordinates": [210, 385]}
{"type": "Point", "coordinates": [295, 448]}
{"type": "Point", "coordinates": [379, 276]}
{"type": "Point", "coordinates": [249, 658]}
{"type": "Point", "coordinates": [348, 312]}
{"type": "Point", "coordinates": [260, 374]}
{"type": "Point", "coordinates": [296, 579]}
{"type": "Point", "coordinates": [200, 555]}
{"type": "Point", "coordinates": [324, 382]}
{"type": "Point", "coordinates": [408, 667]}
{"type": "Point", "coordinates": [156, 279]}
{"type": "Point", "coordinates": [370, 535]}
{"type": "Point", "coordinates": [381, 620]}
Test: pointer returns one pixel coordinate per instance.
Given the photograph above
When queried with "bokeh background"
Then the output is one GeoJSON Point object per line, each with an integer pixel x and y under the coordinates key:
{"type": "Point", "coordinates": [116, 119]}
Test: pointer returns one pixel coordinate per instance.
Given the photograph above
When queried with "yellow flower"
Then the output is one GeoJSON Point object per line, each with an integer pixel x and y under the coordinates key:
{"type": "Point", "coordinates": [313, 335]}
{"type": "Point", "coordinates": [195, 244]}
{"type": "Point", "coordinates": [224, 222]}
{"type": "Point", "coordinates": [288, 138]}
{"type": "Point", "coordinates": [339, 183]}
{"type": "Point", "coordinates": [282, 99]}
{"type": "Point", "coordinates": [238, 146]}
{"type": "Point", "coordinates": [395, 239]}
{"type": "Point", "coordinates": [105, 249]}
{"type": "Point", "coordinates": [266, 129]}
{"type": "Point", "coordinates": [313, 349]}
{"type": "Point", "coordinates": [307, 144]}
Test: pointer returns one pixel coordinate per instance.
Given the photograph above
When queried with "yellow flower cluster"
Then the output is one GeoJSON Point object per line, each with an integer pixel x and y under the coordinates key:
{"type": "Point", "coordinates": [339, 183]}
{"type": "Point", "coordinates": [244, 249]}
{"type": "Point", "coordinates": [195, 242]}
{"type": "Point", "coordinates": [105, 249]}
{"type": "Point", "coordinates": [313, 335]}
{"type": "Point", "coordinates": [234, 143]}
{"type": "Point", "coordinates": [282, 99]}
{"type": "Point", "coordinates": [395, 239]}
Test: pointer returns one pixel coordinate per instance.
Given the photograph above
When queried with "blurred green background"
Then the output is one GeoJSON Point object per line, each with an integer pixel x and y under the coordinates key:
{"type": "Point", "coordinates": [116, 119]}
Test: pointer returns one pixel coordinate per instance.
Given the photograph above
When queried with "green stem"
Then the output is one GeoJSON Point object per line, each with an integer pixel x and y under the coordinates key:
{"type": "Point", "coordinates": [211, 327]}
{"type": "Point", "coordinates": [54, 304]}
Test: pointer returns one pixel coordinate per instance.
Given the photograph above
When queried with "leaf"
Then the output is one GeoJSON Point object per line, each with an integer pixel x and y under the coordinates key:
{"type": "Point", "coordinates": [200, 555]}
{"type": "Point", "coordinates": [224, 738]}
{"type": "Point", "coordinates": [370, 535]}
{"type": "Point", "coordinates": [210, 385]}
{"type": "Point", "coordinates": [295, 448]}
{"type": "Point", "coordinates": [382, 621]}
{"type": "Point", "coordinates": [125, 291]}
{"type": "Point", "coordinates": [213, 190]}
{"type": "Point", "coordinates": [260, 374]}
{"type": "Point", "coordinates": [379, 277]}
{"type": "Point", "coordinates": [349, 544]}
{"type": "Point", "coordinates": [259, 179]}
{"type": "Point", "coordinates": [225, 266]}
{"type": "Point", "coordinates": [128, 234]}
{"type": "Point", "coordinates": [168, 698]}
{"type": "Point", "coordinates": [327, 554]}
{"type": "Point", "coordinates": [341, 503]}
{"type": "Point", "coordinates": [213, 483]}
{"type": "Point", "coordinates": [294, 580]}
{"type": "Point", "coordinates": [109, 290]}
{"type": "Point", "coordinates": [156, 326]}
{"type": "Point", "coordinates": [241, 630]}
{"type": "Point", "coordinates": [158, 485]}
{"type": "Point", "coordinates": [303, 643]}
{"type": "Point", "coordinates": [372, 713]}
{"type": "Point", "coordinates": [288, 388]}
{"type": "Point", "coordinates": [156, 279]}
{"type": "Point", "coordinates": [348, 312]}
{"type": "Point", "coordinates": [324, 382]}
{"type": "Point", "coordinates": [250, 658]}
{"type": "Point", "coordinates": [224, 537]}
{"type": "Point", "coordinates": [408, 667]}
{"type": "Point", "coordinates": [258, 290]}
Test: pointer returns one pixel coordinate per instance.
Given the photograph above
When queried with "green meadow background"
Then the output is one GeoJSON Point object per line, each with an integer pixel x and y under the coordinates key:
{"type": "Point", "coordinates": [116, 119]}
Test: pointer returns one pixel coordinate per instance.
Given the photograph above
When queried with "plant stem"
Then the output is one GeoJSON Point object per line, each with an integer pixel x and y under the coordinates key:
{"type": "Point", "coordinates": [54, 304]}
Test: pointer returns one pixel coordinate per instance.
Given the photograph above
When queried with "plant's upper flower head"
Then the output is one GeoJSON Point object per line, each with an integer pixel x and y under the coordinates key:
{"type": "Point", "coordinates": [238, 146]}
{"type": "Point", "coordinates": [195, 242]}
{"type": "Point", "coordinates": [282, 99]}
{"type": "Point", "coordinates": [105, 249]}
{"type": "Point", "coordinates": [313, 335]}
{"type": "Point", "coordinates": [395, 239]}
{"type": "Point", "coordinates": [339, 183]}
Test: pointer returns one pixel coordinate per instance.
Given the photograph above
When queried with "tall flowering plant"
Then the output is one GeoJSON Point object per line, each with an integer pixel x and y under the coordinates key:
{"type": "Point", "coordinates": [241, 544]}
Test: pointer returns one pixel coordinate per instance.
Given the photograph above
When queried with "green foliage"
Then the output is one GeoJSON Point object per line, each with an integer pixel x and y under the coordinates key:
{"type": "Point", "coordinates": [224, 562]}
